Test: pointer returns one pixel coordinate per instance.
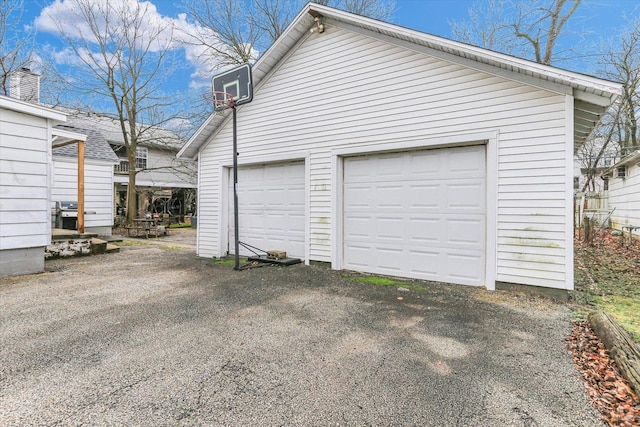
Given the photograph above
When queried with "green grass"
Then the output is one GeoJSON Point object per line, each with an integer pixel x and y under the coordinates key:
{"type": "Point", "coordinates": [626, 312]}
{"type": "Point", "coordinates": [607, 278]}
{"type": "Point", "coordinates": [227, 262]}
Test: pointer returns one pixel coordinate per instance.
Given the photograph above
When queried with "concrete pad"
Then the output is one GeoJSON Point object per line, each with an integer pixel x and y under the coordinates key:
{"type": "Point", "coordinates": [153, 335]}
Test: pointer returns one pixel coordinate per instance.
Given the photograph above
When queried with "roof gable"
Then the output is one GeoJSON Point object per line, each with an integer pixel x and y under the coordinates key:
{"type": "Point", "coordinates": [592, 96]}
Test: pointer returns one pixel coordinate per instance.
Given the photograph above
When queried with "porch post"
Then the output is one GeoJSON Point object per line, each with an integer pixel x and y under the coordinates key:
{"type": "Point", "coordinates": [80, 186]}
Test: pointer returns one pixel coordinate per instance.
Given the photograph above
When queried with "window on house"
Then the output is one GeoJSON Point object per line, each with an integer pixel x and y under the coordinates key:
{"type": "Point", "coordinates": [576, 182]}
{"type": "Point", "coordinates": [620, 172]}
{"type": "Point", "coordinates": [141, 158]}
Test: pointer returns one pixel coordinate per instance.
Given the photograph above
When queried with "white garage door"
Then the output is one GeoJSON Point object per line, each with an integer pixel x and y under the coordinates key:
{"type": "Point", "coordinates": [270, 208]}
{"type": "Point", "coordinates": [418, 214]}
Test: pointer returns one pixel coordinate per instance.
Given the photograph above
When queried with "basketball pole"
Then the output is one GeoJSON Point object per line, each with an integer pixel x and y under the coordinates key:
{"type": "Point", "coordinates": [235, 192]}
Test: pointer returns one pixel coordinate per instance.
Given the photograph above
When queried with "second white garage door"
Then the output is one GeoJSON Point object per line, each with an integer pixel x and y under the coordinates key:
{"type": "Point", "coordinates": [419, 214]}
{"type": "Point", "coordinates": [271, 199]}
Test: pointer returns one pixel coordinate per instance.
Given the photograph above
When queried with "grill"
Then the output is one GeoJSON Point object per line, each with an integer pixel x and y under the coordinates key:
{"type": "Point", "coordinates": [66, 215]}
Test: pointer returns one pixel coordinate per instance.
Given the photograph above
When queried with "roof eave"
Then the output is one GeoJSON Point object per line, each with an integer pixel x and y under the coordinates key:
{"type": "Point", "coordinates": [32, 109]}
{"type": "Point", "coordinates": [631, 158]}
{"type": "Point", "coordinates": [63, 135]}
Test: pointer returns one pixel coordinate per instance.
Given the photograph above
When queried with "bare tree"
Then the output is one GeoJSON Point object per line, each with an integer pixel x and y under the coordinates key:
{"type": "Point", "coordinates": [487, 27]}
{"type": "Point", "coordinates": [15, 46]}
{"type": "Point", "coordinates": [523, 28]}
{"type": "Point", "coordinates": [122, 61]}
{"type": "Point", "coordinates": [623, 65]}
{"type": "Point", "coordinates": [599, 151]}
{"type": "Point", "coordinates": [617, 134]}
{"type": "Point", "coordinates": [376, 9]}
{"type": "Point", "coordinates": [532, 28]}
{"type": "Point", "coordinates": [237, 31]}
{"type": "Point", "coordinates": [272, 17]}
{"type": "Point", "coordinates": [225, 31]}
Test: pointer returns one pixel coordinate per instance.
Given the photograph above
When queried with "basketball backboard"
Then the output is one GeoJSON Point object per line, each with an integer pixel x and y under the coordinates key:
{"type": "Point", "coordinates": [236, 82]}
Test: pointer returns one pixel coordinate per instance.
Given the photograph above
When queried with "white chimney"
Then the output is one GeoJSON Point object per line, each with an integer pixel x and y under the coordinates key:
{"type": "Point", "coordinates": [24, 85]}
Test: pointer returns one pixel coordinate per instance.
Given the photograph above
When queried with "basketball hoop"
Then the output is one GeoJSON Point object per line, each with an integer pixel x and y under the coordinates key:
{"type": "Point", "coordinates": [221, 100]}
{"type": "Point", "coordinates": [230, 89]}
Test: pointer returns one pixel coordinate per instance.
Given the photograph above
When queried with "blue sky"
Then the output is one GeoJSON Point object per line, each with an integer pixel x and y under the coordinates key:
{"type": "Point", "coordinates": [600, 17]}
{"type": "Point", "coordinates": [594, 22]}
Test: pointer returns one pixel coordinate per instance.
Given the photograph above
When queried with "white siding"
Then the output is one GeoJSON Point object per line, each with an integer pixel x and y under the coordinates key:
{"type": "Point", "coordinates": [342, 89]}
{"type": "Point", "coordinates": [98, 188]}
{"type": "Point", "coordinates": [24, 168]}
{"type": "Point", "coordinates": [624, 195]}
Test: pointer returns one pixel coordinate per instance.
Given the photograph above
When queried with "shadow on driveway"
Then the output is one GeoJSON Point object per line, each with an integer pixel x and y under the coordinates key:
{"type": "Point", "coordinates": [154, 336]}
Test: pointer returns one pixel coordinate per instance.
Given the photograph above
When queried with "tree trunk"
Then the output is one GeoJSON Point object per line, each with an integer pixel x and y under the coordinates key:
{"type": "Point", "coordinates": [132, 198]}
{"type": "Point", "coordinates": [622, 348]}
{"type": "Point", "coordinates": [587, 229]}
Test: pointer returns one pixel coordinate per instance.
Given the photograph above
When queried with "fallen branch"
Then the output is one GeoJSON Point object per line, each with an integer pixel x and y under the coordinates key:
{"type": "Point", "coordinates": [608, 391]}
{"type": "Point", "coordinates": [622, 348]}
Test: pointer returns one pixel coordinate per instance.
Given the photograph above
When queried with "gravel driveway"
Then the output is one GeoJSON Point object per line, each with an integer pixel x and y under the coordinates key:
{"type": "Point", "coordinates": [153, 336]}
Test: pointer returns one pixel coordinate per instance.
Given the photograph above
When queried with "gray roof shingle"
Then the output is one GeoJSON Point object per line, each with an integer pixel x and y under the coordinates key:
{"type": "Point", "coordinates": [96, 146]}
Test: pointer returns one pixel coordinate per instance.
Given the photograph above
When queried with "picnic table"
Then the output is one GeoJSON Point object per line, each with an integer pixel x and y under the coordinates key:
{"type": "Point", "coordinates": [631, 229]}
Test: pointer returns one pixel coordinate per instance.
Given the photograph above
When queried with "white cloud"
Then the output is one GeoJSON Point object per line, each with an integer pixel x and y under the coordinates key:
{"type": "Point", "coordinates": [179, 125]}
{"type": "Point", "coordinates": [65, 56]}
{"type": "Point", "coordinates": [68, 56]}
{"type": "Point", "coordinates": [63, 18]}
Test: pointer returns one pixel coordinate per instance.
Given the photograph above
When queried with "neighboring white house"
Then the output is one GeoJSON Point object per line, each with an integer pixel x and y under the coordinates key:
{"type": "Point", "coordinates": [386, 150]}
{"type": "Point", "coordinates": [624, 192]}
{"type": "Point", "coordinates": [163, 182]}
{"type": "Point", "coordinates": [99, 160]}
{"type": "Point", "coordinates": [26, 134]}
{"type": "Point", "coordinates": [590, 161]}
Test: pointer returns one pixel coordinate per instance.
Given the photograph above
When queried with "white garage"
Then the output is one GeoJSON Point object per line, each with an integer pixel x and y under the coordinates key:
{"type": "Point", "coordinates": [271, 208]}
{"type": "Point", "coordinates": [423, 157]}
{"type": "Point", "coordinates": [417, 214]}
